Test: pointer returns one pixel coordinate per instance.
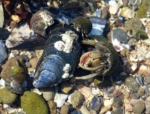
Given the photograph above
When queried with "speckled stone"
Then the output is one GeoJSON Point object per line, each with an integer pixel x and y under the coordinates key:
{"type": "Point", "coordinates": [117, 102]}
{"type": "Point", "coordinates": [128, 107]}
{"type": "Point", "coordinates": [147, 105]}
{"type": "Point", "coordinates": [139, 107]}
{"type": "Point", "coordinates": [120, 35]}
{"type": "Point", "coordinates": [132, 84]}
{"type": "Point", "coordinates": [117, 111]}
{"type": "Point", "coordinates": [147, 79]}
{"type": "Point", "coordinates": [66, 87]}
{"type": "Point", "coordinates": [141, 91]}
{"type": "Point", "coordinates": [135, 95]}
{"type": "Point", "coordinates": [76, 99]}
{"type": "Point", "coordinates": [7, 67]}
{"type": "Point", "coordinates": [48, 93]}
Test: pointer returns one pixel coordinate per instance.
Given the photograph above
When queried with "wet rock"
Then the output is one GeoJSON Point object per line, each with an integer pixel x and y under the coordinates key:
{"type": "Point", "coordinates": [48, 93]}
{"type": "Point", "coordinates": [1, 15]}
{"type": "Point", "coordinates": [119, 39]}
{"type": "Point", "coordinates": [23, 37]}
{"type": "Point", "coordinates": [128, 107]}
{"type": "Point", "coordinates": [104, 109]}
{"type": "Point", "coordinates": [39, 53]}
{"type": "Point", "coordinates": [120, 35]}
{"type": "Point", "coordinates": [96, 104]}
{"type": "Point", "coordinates": [113, 7]}
{"type": "Point", "coordinates": [117, 102]}
{"type": "Point", "coordinates": [60, 98]}
{"type": "Point", "coordinates": [117, 111]}
{"type": "Point", "coordinates": [143, 9]}
{"type": "Point", "coordinates": [33, 62]}
{"type": "Point", "coordinates": [141, 91]}
{"type": "Point", "coordinates": [53, 107]}
{"type": "Point", "coordinates": [135, 26]}
{"type": "Point", "coordinates": [33, 103]}
{"type": "Point", "coordinates": [7, 97]}
{"type": "Point", "coordinates": [76, 99]}
{"type": "Point", "coordinates": [126, 93]}
{"type": "Point", "coordinates": [84, 110]}
{"type": "Point", "coordinates": [111, 89]}
{"type": "Point", "coordinates": [7, 67]}
{"type": "Point", "coordinates": [127, 12]}
{"type": "Point", "coordinates": [147, 105]}
{"type": "Point", "coordinates": [132, 84]}
{"type": "Point", "coordinates": [135, 95]}
{"type": "Point", "coordinates": [125, 2]}
{"type": "Point", "coordinates": [104, 12]}
{"type": "Point", "coordinates": [66, 87]}
{"type": "Point", "coordinates": [139, 107]}
{"type": "Point", "coordinates": [64, 109]}
{"type": "Point", "coordinates": [3, 53]}
{"type": "Point", "coordinates": [147, 79]}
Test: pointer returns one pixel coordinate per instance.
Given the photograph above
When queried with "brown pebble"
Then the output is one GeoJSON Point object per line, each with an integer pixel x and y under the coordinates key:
{"type": "Point", "coordinates": [33, 62]}
{"type": "Point", "coordinates": [53, 107]}
{"type": "Point", "coordinates": [64, 109]}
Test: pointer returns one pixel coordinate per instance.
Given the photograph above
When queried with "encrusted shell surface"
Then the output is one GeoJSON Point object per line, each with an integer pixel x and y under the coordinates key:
{"type": "Point", "coordinates": [40, 21]}
{"type": "Point", "coordinates": [56, 63]}
{"type": "Point", "coordinates": [14, 86]}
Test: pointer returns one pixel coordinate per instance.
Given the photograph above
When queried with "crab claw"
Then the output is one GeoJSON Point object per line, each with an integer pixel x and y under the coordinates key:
{"type": "Point", "coordinates": [91, 60]}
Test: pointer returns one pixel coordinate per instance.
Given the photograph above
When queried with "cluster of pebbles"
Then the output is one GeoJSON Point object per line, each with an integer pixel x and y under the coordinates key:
{"type": "Point", "coordinates": [126, 24]}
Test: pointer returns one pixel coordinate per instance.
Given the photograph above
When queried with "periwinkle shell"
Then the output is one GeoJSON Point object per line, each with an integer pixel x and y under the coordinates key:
{"type": "Point", "coordinates": [50, 67]}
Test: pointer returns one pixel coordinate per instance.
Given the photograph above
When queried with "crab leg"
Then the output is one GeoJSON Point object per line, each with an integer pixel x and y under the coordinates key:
{"type": "Point", "coordinates": [86, 76]}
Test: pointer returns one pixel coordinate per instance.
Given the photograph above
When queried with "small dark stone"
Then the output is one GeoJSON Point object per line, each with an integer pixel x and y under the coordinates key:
{"type": "Point", "coordinates": [141, 91]}
{"type": "Point", "coordinates": [117, 102]}
{"type": "Point", "coordinates": [139, 107]}
{"type": "Point", "coordinates": [147, 79]}
{"type": "Point", "coordinates": [135, 95]}
{"type": "Point", "coordinates": [132, 84]}
{"type": "Point", "coordinates": [111, 89]}
{"type": "Point", "coordinates": [120, 35]}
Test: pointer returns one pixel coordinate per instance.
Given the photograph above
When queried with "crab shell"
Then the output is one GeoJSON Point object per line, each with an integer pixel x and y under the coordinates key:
{"type": "Point", "coordinates": [103, 47]}
{"type": "Point", "coordinates": [81, 23]}
{"type": "Point", "coordinates": [51, 68]}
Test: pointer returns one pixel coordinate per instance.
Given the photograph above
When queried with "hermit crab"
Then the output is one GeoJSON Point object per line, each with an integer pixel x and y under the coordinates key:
{"type": "Point", "coordinates": [101, 60]}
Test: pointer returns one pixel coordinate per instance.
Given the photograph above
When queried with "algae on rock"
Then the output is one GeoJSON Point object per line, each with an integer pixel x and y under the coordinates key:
{"type": "Point", "coordinates": [7, 97]}
{"type": "Point", "coordinates": [143, 9]}
{"type": "Point", "coordinates": [32, 103]}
